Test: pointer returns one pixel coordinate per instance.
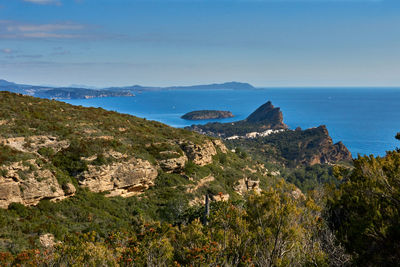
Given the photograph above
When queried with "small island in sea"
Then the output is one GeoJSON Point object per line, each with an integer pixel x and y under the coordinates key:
{"type": "Point", "coordinates": [207, 115]}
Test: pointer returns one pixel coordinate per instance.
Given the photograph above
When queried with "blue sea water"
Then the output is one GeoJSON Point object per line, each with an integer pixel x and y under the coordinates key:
{"type": "Point", "coordinates": [364, 119]}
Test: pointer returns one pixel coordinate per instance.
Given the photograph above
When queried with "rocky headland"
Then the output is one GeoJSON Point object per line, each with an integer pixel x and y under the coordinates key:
{"type": "Point", "coordinates": [264, 135]}
{"type": "Point", "coordinates": [266, 117]}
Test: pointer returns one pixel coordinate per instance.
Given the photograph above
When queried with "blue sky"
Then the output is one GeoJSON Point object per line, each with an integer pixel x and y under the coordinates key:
{"type": "Point", "coordinates": [182, 42]}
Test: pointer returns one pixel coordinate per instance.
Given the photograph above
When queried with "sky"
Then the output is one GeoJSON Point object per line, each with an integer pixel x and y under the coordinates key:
{"type": "Point", "coordinates": [268, 43]}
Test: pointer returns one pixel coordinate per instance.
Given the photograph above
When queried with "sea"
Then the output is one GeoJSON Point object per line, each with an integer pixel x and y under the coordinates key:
{"type": "Point", "coordinates": [364, 119]}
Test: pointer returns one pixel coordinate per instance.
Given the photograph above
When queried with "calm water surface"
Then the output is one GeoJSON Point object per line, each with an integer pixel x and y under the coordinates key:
{"type": "Point", "coordinates": [364, 119]}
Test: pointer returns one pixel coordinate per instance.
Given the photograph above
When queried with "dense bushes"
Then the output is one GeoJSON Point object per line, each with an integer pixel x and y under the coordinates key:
{"type": "Point", "coordinates": [271, 229]}
{"type": "Point", "coordinates": [310, 177]}
{"type": "Point", "coordinates": [365, 210]}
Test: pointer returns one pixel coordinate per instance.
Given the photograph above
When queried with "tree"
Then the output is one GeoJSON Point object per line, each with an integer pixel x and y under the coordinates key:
{"type": "Point", "coordinates": [365, 210]}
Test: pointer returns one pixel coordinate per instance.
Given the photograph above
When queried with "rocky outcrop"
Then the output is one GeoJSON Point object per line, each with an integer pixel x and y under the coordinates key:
{"type": "Point", "coordinates": [34, 143]}
{"type": "Point", "coordinates": [218, 144]}
{"type": "Point", "coordinates": [246, 185]}
{"type": "Point", "coordinates": [207, 115]}
{"type": "Point", "coordinates": [325, 151]}
{"type": "Point", "coordinates": [69, 189]}
{"type": "Point", "coordinates": [127, 178]}
{"type": "Point", "coordinates": [47, 241]}
{"type": "Point", "coordinates": [174, 164]}
{"type": "Point", "coordinates": [268, 115]}
{"type": "Point", "coordinates": [200, 154]}
{"type": "Point", "coordinates": [27, 184]}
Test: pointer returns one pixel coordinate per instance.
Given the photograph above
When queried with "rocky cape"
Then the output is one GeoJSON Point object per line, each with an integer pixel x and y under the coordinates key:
{"type": "Point", "coordinates": [207, 115]}
{"type": "Point", "coordinates": [266, 117]}
{"type": "Point", "coordinates": [264, 134]}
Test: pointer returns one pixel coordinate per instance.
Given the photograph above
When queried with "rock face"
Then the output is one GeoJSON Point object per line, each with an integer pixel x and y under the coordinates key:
{"type": "Point", "coordinates": [27, 183]}
{"type": "Point", "coordinates": [120, 178]}
{"type": "Point", "coordinates": [200, 154]}
{"type": "Point", "coordinates": [325, 151]}
{"type": "Point", "coordinates": [218, 144]}
{"type": "Point", "coordinates": [34, 143]}
{"type": "Point", "coordinates": [47, 240]}
{"type": "Point", "coordinates": [175, 164]}
{"type": "Point", "coordinates": [246, 185]}
{"type": "Point", "coordinates": [21, 185]}
{"type": "Point", "coordinates": [267, 115]}
{"type": "Point", "coordinates": [69, 189]}
{"type": "Point", "coordinates": [207, 115]}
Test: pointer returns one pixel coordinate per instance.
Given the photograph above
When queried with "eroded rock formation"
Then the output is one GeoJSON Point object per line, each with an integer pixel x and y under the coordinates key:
{"type": "Point", "coordinates": [200, 154]}
{"type": "Point", "coordinates": [120, 178]}
{"type": "Point", "coordinates": [27, 183]}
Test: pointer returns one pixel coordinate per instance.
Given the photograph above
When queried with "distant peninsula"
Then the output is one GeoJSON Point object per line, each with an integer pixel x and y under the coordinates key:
{"type": "Point", "coordinates": [207, 115]}
{"type": "Point", "coordinates": [228, 85]}
{"type": "Point", "coordinates": [81, 91]}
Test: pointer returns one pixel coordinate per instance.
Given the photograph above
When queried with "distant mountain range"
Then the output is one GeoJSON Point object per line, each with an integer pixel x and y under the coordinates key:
{"type": "Point", "coordinates": [85, 92]}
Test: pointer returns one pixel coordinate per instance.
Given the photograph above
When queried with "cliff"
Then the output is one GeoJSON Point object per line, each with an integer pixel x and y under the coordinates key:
{"type": "Point", "coordinates": [295, 148]}
{"type": "Point", "coordinates": [207, 115]}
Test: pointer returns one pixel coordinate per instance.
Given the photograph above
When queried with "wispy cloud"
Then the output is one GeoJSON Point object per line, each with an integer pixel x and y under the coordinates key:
{"type": "Point", "coordinates": [44, 2]}
{"type": "Point", "coordinates": [18, 30]}
{"type": "Point", "coordinates": [7, 51]}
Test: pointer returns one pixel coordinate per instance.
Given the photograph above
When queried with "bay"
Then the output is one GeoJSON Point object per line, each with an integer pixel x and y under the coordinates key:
{"type": "Point", "coordinates": [364, 119]}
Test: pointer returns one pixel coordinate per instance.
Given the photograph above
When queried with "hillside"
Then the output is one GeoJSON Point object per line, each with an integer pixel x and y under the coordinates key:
{"type": "Point", "coordinates": [87, 147]}
{"type": "Point", "coordinates": [51, 151]}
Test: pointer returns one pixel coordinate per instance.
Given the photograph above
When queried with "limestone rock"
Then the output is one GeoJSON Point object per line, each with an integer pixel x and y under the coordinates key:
{"type": "Point", "coordinates": [175, 164]}
{"type": "Point", "coordinates": [27, 187]}
{"type": "Point", "coordinates": [47, 240]}
{"type": "Point", "coordinates": [34, 143]}
{"type": "Point", "coordinates": [200, 154]}
{"type": "Point", "coordinates": [218, 143]}
{"type": "Point", "coordinates": [69, 189]}
{"type": "Point", "coordinates": [245, 185]}
{"type": "Point", "coordinates": [120, 178]}
{"type": "Point", "coordinates": [9, 192]}
{"type": "Point", "coordinates": [220, 197]}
